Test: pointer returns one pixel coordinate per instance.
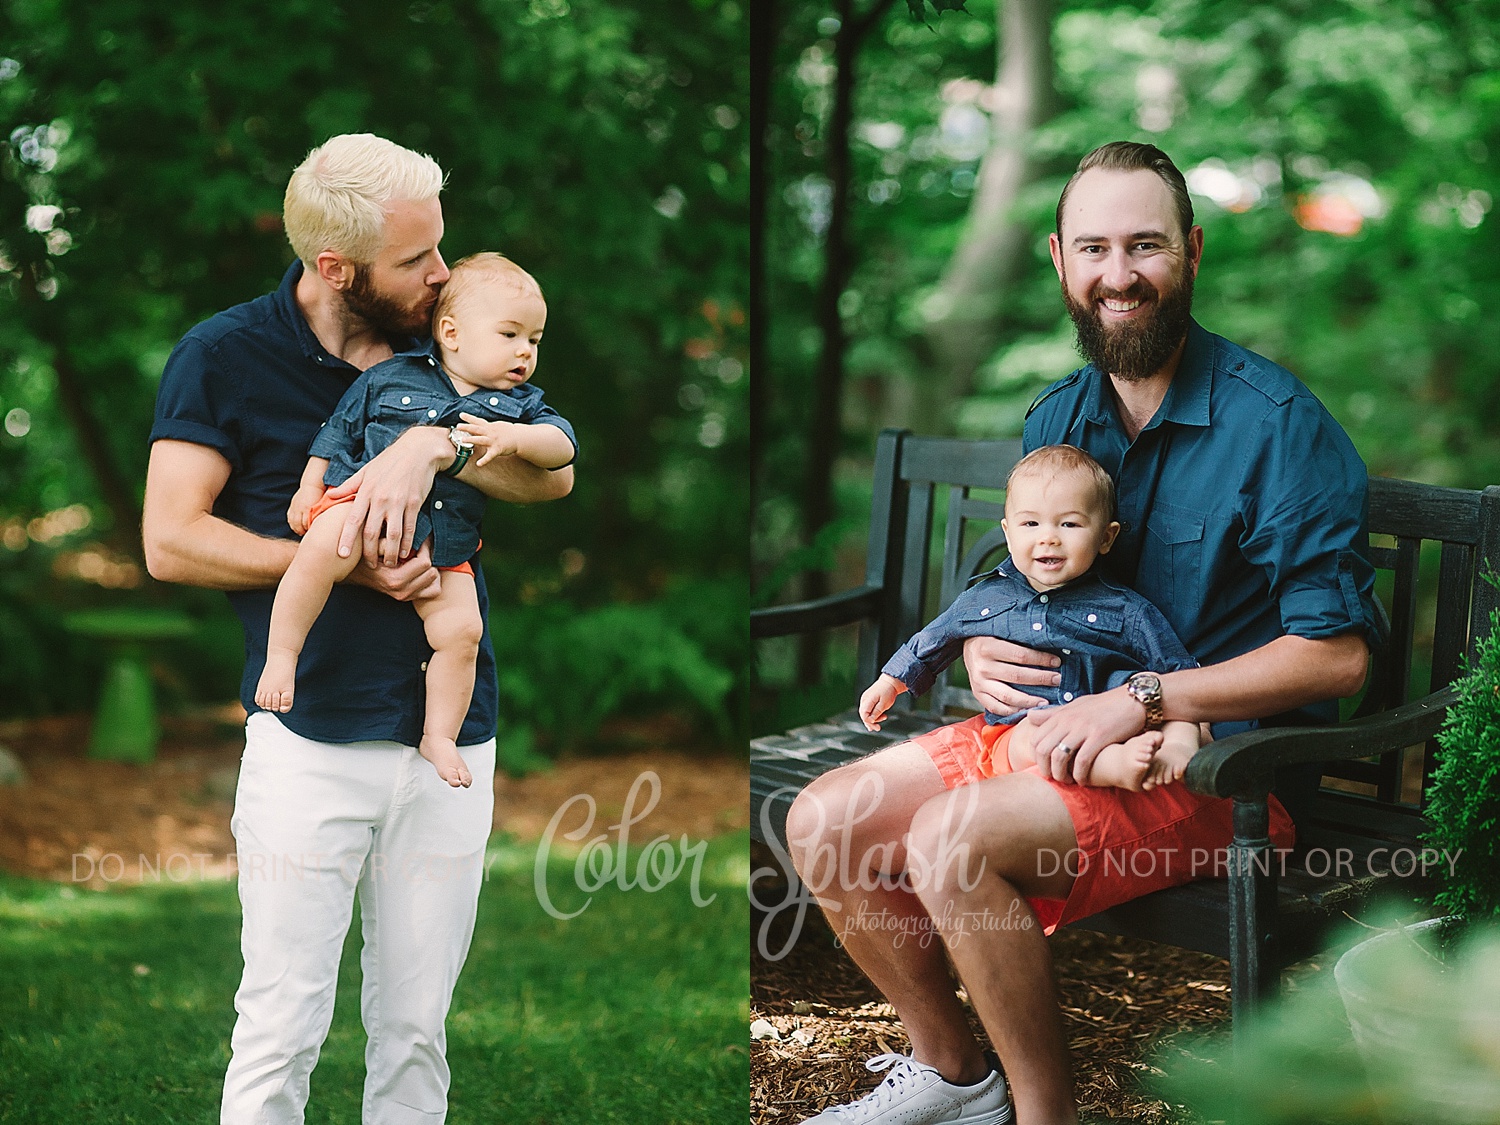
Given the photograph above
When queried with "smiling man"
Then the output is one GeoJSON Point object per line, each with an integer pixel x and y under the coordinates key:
{"type": "Point", "coordinates": [333, 796]}
{"type": "Point", "coordinates": [1241, 510]}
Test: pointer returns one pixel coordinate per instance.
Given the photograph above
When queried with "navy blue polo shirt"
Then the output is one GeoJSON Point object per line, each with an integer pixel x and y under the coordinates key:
{"type": "Point", "coordinates": [1103, 633]}
{"type": "Point", "coordinates": [1242, 505]}
{"type": "Point", "coordinates": [411, 389]}
{"type": "Point", "coordinates": [255, 384]}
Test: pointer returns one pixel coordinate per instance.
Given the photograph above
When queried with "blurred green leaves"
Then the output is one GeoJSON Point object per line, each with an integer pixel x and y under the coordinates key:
{"type": "Point", "coordinates": [596, 141]}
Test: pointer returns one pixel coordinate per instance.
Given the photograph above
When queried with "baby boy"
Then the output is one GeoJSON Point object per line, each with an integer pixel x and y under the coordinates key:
{"type": "Point", "coordinates": [487, 328]}
{"type": "Point", "coordinates": [1048, 595]}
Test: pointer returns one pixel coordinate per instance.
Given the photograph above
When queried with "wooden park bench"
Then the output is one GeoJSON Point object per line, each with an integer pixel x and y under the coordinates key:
{"type": "Point", "coordinates": [1378, 760]}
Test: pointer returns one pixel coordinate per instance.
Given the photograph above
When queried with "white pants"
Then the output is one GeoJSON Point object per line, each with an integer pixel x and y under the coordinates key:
{"type": "Point", "coordinates": [312, 823]}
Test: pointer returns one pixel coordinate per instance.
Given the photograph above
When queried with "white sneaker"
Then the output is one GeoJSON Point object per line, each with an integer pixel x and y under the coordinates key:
{"type": "Point", "coordinates": [916, 1094]}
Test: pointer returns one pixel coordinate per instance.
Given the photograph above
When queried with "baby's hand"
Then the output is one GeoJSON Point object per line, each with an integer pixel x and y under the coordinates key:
{"type": "Point", "coordinates": [303, 501]}
{"type": "Point", "coordinates": [877, 700]}
{"type": "Point", "coordinates": [497, 439]}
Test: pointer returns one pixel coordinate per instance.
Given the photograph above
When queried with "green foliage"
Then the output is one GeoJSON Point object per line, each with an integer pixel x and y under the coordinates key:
{"type": "Point", "coordinates": [564, 669]}
{"type": "Point", "coordinates": [1463, 800]}
{"type": "Point", "coordinates": [918, 8]}
{"type": "Point", "coordinates": [1388, 107]}
{"type": "Point", "coordinates": [1424, 1056]}
{"type": "Point", "coordinates": [602, 143]}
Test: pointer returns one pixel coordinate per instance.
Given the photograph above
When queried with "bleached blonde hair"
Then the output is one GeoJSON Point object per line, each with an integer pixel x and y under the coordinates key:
{"type": "Point", "coordinates": [468, 274]}
{"type": "Point", "coordinates": [337, 198]}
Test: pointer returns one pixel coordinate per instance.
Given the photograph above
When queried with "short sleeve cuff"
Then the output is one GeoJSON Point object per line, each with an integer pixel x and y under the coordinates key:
{"type": "Point", "coordinates": [196, 433]}
{"type": "Point", "coordinates": [328, 444]}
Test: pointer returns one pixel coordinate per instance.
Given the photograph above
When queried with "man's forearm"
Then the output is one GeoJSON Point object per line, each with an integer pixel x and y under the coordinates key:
{"type": "Point", "coordinates": [213, 553]}
{"type": "Point", "coordinates": [1288, 672]}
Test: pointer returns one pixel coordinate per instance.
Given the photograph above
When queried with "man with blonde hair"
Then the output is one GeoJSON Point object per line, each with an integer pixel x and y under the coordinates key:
{"type": "Point", "coordinates": [333, 797]}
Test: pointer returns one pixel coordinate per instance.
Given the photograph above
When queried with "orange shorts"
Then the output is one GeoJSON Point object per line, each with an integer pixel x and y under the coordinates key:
{"type": "Point", "coordinates": [324, 504]}
{"type": "Point", "coordinates": [1129, 844]}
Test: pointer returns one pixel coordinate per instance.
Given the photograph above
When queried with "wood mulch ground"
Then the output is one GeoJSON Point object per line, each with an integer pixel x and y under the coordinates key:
{"type": "Point", "coordinates": [1120, 997]}
{"type": "Point", "coordinates": [94, 823]}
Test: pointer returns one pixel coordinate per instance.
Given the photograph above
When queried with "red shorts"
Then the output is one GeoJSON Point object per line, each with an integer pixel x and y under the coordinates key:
{"type": "Point", "coordinates": [1129, 844]}
{"type": "Point", "coordinates": [324, 504]}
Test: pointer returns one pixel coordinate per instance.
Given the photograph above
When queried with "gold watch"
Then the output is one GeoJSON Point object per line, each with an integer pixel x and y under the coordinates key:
{"type": "Point", "coordinates": [1145, 689]}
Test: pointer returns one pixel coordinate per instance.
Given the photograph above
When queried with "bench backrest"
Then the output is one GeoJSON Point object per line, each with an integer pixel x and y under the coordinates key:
{"type": "Point", "coordinates": [917, 478]}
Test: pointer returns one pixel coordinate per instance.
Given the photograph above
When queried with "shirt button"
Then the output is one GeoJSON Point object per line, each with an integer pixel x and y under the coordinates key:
{"type": "Point", "coordinates": [431, 362]}
{"type": "Point", "coordinates": [432, 414]}
{"type": "Point", "coordinates": [494, 402]}
{"type": "Point", "coordinates": [984, 612]}
{"type": "Point", "coordinates": [1067, 652]}
{"type": "Point", "coordinates": [437, 503]}
{"type": "Point", "coordinates": [1036, 625]}
{"type": "Point", "coordinates": [424, 665]}
{"type": "Point", "coordinates": [1043, 597]}
{"type": "Point", "coordinates": [406, 400]}
{"type": "Point", "coordinates": [1124, 525]}
{"type": "Point", "coordinates": [1092, 618]}
{"type": "Point", "coordinates": [1067, 696]}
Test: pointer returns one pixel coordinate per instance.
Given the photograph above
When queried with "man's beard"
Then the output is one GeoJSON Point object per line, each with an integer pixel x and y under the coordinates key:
{"type": "Point", "coordinates": [1134, 350]}
{"type": "Point", "coordinates": [381, 311]}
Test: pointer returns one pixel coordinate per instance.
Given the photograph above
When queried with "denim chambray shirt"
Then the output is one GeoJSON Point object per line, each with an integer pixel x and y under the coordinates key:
{"type": "Point", "coordinates": [411, 389]}
{"type": "Point", "coordinates": [1103, 632]}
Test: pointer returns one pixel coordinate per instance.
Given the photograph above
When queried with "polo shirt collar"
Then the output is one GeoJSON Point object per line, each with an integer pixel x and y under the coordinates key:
{"type": "Point", "coordinates": [1187, 399]}
{"type": "Point", "coordinates": [307, 340]}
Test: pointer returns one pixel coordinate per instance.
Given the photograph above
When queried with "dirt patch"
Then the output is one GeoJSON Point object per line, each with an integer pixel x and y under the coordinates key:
{"type": "Point", "coordinates": [1119, 996]}
{"type": "Point", "coordinates": [77, 820]}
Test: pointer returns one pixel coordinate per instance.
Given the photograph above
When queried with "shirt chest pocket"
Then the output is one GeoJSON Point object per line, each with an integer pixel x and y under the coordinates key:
{"type": "Point", "coordinates": [409, 408]}
{"type": "Point", "coordinates": [1102, 621]}
{"type": "Point", "coordinates": [988, 617]}
{"type": "Point", "coordinates": [1172, 567]}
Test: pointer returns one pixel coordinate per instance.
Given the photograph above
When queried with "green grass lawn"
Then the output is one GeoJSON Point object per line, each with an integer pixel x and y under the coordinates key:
{"type": "Point", "coordinates": [116, 1006]}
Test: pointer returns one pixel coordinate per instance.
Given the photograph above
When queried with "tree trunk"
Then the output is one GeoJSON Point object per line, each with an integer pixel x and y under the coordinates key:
{"type": "Point", "coordinates": [92, 441]}
{"type": "Point", "coordinates": [762, 63]}
{"type": "Point", "coordinates": [967, 313]}
{"type": "Point", "coordinates": [825, 429]}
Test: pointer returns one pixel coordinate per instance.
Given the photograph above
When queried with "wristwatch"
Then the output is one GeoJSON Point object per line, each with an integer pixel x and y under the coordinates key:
{"type": "Point", "coordinates": [1145, 689]}
{"type": "Point", "coordinates": [464, 448]}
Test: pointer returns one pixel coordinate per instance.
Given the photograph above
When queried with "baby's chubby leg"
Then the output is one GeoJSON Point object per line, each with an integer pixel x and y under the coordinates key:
{"type": "Point", "coordinates": [300, 597]}
{"type": "Point", "coordinates": [454, 630]}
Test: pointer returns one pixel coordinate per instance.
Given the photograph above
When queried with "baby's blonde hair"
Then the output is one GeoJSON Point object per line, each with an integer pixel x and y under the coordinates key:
{"type": "Point", "coordinates": [468, 274]}
{"type": "Point", "coordinates": [1050, 460]}
{"type": "Point", "coordinates": [337, 198]}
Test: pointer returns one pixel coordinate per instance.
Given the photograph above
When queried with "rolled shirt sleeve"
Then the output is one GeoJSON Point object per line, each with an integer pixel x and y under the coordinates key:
{"type": "Point", "coordinates": [1305, 505]}
{"type": "Point", "coordinates": [197, 402]}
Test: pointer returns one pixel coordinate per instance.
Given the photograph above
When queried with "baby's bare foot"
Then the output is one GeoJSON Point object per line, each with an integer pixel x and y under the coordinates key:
{"type": "Point", "coordinates": [277, 681]}
{"type": "Point", "coordinates": [1126, 765]}
{"type": "Point", "coordinates": [443, 754]}
{"type": "Point", "coordinates": [1169, 764]}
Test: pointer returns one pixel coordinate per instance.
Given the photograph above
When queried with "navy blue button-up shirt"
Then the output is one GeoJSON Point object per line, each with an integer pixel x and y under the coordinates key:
{"type": "Point", "coordinates": [1242, 504]}
{"type": "Point", "coordinates": [408, 390]}
{"type": "Point", "coordinates": [255, 384]}
{"type": "Point", "coordinates": [1103, 633]}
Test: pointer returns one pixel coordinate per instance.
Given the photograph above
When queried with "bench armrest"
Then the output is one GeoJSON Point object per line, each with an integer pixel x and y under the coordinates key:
{"type": "Point", "coordinates": [1244, 764]}
{"type": "Point", "coordinates": [859, 604]}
